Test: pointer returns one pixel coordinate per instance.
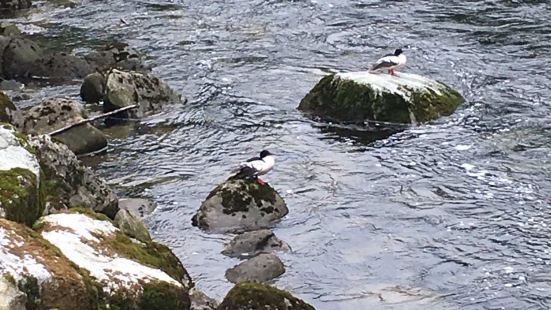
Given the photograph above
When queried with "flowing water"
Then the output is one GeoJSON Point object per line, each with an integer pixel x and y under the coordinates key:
{"type": "Point", "coordinates": [452, 214]}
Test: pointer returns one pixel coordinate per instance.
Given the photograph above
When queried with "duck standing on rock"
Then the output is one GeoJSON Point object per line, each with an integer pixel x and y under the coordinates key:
{"type": "Point", "coordinates": [390, 62]}
{"type": "Point", "coordinates": [257, 166]}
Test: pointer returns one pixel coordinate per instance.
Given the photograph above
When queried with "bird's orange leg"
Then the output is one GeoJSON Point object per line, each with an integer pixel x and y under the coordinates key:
{"type": "Point", "coordinates": [260, 181]}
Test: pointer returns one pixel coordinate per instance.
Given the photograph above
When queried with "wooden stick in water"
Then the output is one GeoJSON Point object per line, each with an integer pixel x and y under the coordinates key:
{"type": "Point", "coordinates": [87, 120]}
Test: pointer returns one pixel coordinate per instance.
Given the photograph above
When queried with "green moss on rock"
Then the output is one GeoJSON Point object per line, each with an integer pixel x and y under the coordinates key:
{"type": "Point", "coordinates": [347, 99]}
{"type": "Point", "coordinates": [20, 196]}
{"type": "Point", "coordinates": [253, 296]}
{"type": "Point", "coordinates": [162, 296]}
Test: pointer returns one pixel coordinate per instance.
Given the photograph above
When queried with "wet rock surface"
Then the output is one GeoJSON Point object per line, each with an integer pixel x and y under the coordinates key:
{"type": "Point", "coordinates": [252, 243]}
{"type": "Point", "coordinates": [69, 183]}
{"type": "Point", "coordinates": [240, 204]}
{"type": "Point", "coordinates": [125, 88]}
{"type": "Point", "coordinates": [260, 268]}
{"type": "Point", "coordinates": [254, 296]}
{"type": "Point", "coordinates": [92, 88]}
{"type": "Point", "coordinates": [56, 113]}
{"type": "Point", "coordinates": [364, 96]}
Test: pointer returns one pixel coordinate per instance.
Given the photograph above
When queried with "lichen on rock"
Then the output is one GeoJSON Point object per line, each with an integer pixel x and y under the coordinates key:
{"type": "Point", "coordinates": [68, 183]}
{"type": "Point", "coordinates": [130, 273]}
{"type": "Point", "coordinates": [240, 204]}
{"type": "Point", "coordinates": [55, 113]}
{"type": "Point", "coordinates": [125, 88]}
{"type": "Point", "coordinates": [254, 296]}
{"type": "Point", "coordinates": [364, 96]}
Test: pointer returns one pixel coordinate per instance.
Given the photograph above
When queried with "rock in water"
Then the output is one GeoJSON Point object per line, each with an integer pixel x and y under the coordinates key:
{"type": "Point", "coordinates": [132, 274]}
{"type": "Point", "coordinates": [69, 183]}
{"type": "Point", "coordinates": [200, 301]}
{"type": "Point", "coordinates": [128, 88]}
{"type": "Point", "coordinates": [361, 96]}
{"type": "Point", "coordinates": [254, 296]}
{"type": "Point", "coordinates": [240, 204]}
{"type": "Point", "coordinates": [261, 268]}
{"type": "Point", "coordinates": [92, 88]}
{"type": "Point", "coordinates": [20, 185]}
{"type": "Point", "coordinates": [55, 113]}
{"type": "Point", "coordinates": [132, 226]}
{"type": "Point", "coordinates": [252, 243]}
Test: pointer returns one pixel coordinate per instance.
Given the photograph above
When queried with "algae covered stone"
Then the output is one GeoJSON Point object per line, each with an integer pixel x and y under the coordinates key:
{"type": "Point", "coordinates": [36, 275]}
{"type": "Point", "coordinates": [20, 187]}
{"type": "Point", "coordinates": [130, 273]}
{"type": "Point", "coordinates": [365, 96]}
{"type": "Point", "coordinates": [240, 204]}
{"type": "Point", "coordinates": [254, 296]}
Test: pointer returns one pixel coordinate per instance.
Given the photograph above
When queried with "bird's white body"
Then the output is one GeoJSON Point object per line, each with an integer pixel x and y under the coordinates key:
{"type": "Point", "coordinates": [390, 62]}
{"type": "Point", "coordinates": [260, 165]}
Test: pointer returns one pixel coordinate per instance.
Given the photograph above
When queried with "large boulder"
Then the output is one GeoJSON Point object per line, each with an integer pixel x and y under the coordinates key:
{"type": "Point", "coordinates": [364, 96]}
{"type": "Point", "coordinates": [254, 296]}
{"type": "Point", "coordinates": [56, 113]}
{"type": "Point", "coordinates": [70, 184]}
{"type": "Point", "coordinates": [240, 204]}
{"type": "Point", "coordinates": [20, 187]}
{"type": "Point", "coordinates": [261, 268]}
{"type": "Point", "coordinates": [131, 274]}
{"type": "Point", "coordinates": [252, 243]}
{"type": "Point", "coordinates": [35, 275]}
{"type": "Point", "coordinates": [124, 89]}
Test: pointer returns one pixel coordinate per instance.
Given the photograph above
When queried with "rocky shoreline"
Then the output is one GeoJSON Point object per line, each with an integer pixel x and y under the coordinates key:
{"type": "Point", "coordinates": [80, 245]}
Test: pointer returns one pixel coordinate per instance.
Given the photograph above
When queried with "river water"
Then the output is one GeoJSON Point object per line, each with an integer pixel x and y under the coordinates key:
{"type": "Point", "coordinates": [448, 215]}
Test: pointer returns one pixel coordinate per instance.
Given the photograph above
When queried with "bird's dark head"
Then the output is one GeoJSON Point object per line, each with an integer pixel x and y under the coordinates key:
{"type": "Point", "coordinates": [398, 52]}
{"type": "Point", "coordinates": [265, 153]}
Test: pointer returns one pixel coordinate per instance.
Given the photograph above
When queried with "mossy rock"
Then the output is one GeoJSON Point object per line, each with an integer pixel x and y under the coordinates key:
{"type": "Point", "coordinates": [49, 280]}
{"type": "Point", "coordinates": [363, 96]}
{"type": "Point", "coordinates": [240, 204]}
{"type": "Point", "coordinates": [254, 296]}
{"type": "Point", "coordinates": [130, 274]}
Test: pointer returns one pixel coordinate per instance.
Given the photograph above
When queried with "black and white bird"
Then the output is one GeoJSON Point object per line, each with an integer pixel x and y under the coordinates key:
{"type": "Point", "coordinates": [390, 62]}
{"type": "Point", "coordinates": [257, 166]}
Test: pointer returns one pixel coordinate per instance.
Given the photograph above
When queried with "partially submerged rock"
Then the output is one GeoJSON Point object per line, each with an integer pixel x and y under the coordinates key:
{"type": "Point", "coordinates": [56, 113]}
{"type": "Point", "coordinates": [34, 275]}
{"type": "Point", "coordinates": [132, 226]}
{"type": "Point", "coordinates": [139, 207]}
{"type": "Point", "coordinates": [20, 187]}
{"type": "Point", "coordinates": [261, 268]}
{"type": "Point", "coordinates": [128, 88]}
{"type": "Point", "coordinates": [70, 184]}
{"type": "Point", "coordinates": [254, 296]}
{"type": "Point", "coordinates": [361, 96]}
{"type": "Point", "coordinates": [92, 88]}
{"type": "Point", "coordinates": [8, 7]}
{"type": "Point", "coordinates": [200, 301]}
{"type": "Point", "coordinates": [252, 243]}
{"type": "Point", "coordinates": [131, 274]}
{"type": "Point", "coordinates": [240, 204]}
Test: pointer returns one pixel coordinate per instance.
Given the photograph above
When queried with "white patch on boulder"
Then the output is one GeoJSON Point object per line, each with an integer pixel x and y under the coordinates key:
{"type": "Point", "coordinates": [19, 267]}
{"type": "Point", "coordinates": [14, 155]}
{"type": "Point", "coordinates": [386, 83]}
{"type": "Point", "coordinates": [74, 230]}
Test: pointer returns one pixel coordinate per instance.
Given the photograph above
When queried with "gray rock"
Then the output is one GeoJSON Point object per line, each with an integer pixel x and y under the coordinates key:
{"type": "Point", "coordinates": [200, 301]}
{"type": "Point", "coordinates": [260, 268]}
{"type": "Point", "coordinates": [132, 226]}
{"type": "Point", "coordinates": [128, 88]}
{"type": "Point", "coordinates": [138, 207]}
{"type": "Point", "coordinates": [92, 88]}
{"type": "Point", "coordinates": [21, 58]}
{"type": "Point", "coordinates": [117, 55]}
{"type": "Point", "coordinates": [70, 184]}
{"type": "Point", "coordinates": [240, 204]}
{"type": "Point", "coordinates": [55, 113]}
{"type": "Point", "coordinates": [252, 243]}
{"type": "Point", "coordinates": [360, 96]}
{"type": "Point", "coordinates": [10, 30]}
{"type": "Point", "coordinates": [10, 84]}
{"type": "Point", "coordinates": [255, 296]}
{"type": "Point", "coordinates": [6, 108]}
{"type": "Point", "coordinates": [61, 67]}
{"type": "Point", "coordinates": [11, 298]}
